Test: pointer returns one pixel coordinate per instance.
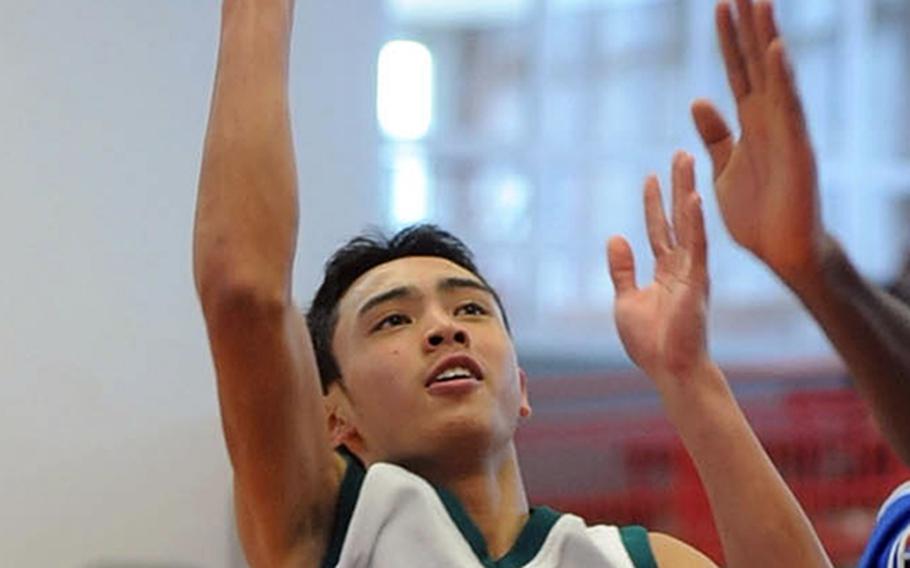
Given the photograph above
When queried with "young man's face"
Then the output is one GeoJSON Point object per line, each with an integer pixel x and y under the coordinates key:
{"type": "Point", "coordinates": [427, 365]}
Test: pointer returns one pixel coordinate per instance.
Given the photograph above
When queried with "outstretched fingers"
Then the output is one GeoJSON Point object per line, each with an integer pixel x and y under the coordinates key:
{"type": "Point", "coordinates": [659, 234]}
{"type": "Point", "coordinates": [734, 61]}
{"type": "Point", "coordinates": [714, 133]}
{"type": "Point", "coordinates": [783, 90]}
{"type": "Point", "coordinates": [748, 35]}
{"type": "Point", "coordinates": [765, 28]}
{"type": "Point", "coordinates": [688, 220]}
{"type": "Point", "coordinates": [695, 241]}
{"type": "Point", "coordinates": [687, 234]}
{"type": "Point", "coordinates": [683, 186]}
{"type": "Point", "coordinates": [621, 262]}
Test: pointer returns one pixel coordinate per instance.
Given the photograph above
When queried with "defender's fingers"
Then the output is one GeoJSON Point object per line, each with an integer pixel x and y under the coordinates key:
{"type": "Point", "coordinates": [737, 75]}
{"type": "Point", "coordinates": [783, 89]}
{"type": "Point", "coordinates": [748, 38]}
{"type": "Point", "coordinates": [655, 219]}
{"type": "Point", "coordinates": [683, 187]}
{"type": "Point", "coordinates": [714, 133]}
{"type": "Point", "coordinates": [622, 265]}
{"type": "Point", "coordinates": [765, 27]}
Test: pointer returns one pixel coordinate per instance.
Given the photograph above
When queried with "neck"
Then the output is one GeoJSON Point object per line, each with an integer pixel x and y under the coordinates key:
{"type": "Point", "coordinates": [492, 493]}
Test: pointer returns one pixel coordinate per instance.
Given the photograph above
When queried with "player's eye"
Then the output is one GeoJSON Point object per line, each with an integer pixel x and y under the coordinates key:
{"type": "Point", "coordinates": [392, 320]}
{"type": "Point", "coordinates": [471, 309]}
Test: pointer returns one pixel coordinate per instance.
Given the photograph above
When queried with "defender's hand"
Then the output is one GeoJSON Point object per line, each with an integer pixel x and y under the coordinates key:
{"type": "Point", "coordinates": [766, 181]}
{"type": "Point", "coordinates": [662, 326]}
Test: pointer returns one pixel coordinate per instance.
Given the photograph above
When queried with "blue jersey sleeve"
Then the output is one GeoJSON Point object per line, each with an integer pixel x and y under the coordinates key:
{"type": "Point", "coordinates": [887, 547]}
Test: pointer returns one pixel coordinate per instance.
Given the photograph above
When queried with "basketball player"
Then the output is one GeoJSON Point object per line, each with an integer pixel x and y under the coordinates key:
{"type": "Point", "coordinates": [381, 434]}
{"type": "Point", "coordinates": [767, 188]}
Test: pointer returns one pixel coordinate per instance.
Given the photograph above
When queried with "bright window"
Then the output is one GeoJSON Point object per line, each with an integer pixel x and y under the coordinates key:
{"type": "Point", "coordinates": [547, 114]}
{"type": "Point", "coordinates": [405, 90]}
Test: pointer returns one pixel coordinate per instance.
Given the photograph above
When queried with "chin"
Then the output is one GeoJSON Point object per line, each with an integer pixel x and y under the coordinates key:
{"type": "Point", "coordinates": [467, 435]}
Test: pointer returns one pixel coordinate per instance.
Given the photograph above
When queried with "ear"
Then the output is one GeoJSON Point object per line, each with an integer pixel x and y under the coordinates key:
{"type": "Point", "coordinates": [525, 409]}
{"type": "Point", "coordinates": [339, 419]}
{"type": "Point", "coordinates": [339, 428]}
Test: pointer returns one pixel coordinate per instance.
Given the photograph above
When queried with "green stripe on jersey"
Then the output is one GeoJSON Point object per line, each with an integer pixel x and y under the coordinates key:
{"type": "Point", "coordinates": [635, 539]}
{"type": "Point", "coordinates": [347, 499]}
{"type": "Point", "coordinates": [527, 545]}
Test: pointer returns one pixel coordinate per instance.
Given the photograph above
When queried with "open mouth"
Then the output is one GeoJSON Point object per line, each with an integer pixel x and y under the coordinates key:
{"type": "Point", "coordinates": [454, 374]}
{"type": "Point", "coordinates": [453, 369]}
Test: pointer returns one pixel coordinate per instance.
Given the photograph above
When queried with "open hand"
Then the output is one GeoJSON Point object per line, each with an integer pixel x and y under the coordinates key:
{"type": "Point", "coordinates": [662, 326]}
{"type": "Point", "coordinates": [766, 181]}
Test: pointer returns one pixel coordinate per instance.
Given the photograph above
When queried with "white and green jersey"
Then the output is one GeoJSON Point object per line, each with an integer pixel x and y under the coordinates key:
{"type": "Point", "coordinates": [388, 517]}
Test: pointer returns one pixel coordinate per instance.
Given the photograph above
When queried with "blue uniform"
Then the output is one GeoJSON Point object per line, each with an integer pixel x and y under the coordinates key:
{"type": "Point", "coordinates": [887, 546]}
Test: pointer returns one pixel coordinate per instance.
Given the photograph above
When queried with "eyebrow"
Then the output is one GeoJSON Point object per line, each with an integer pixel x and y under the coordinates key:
{"type": "Point", "coordinates": [387, 296]}
{"type": "Point", "coordinates": [455, 283]}
{"type": "Point", "coordinates": [444, 285]}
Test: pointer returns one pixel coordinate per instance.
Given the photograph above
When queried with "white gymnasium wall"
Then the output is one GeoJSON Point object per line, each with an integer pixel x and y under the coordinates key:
{"type": "Point", "coordinates": [110, 444]}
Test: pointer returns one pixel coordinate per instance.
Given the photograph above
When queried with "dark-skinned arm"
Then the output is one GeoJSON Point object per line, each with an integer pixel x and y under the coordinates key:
{"type": "Point", "coordinates": [870, 328]}
{"type": "Point", "coordinates": [766, 186]}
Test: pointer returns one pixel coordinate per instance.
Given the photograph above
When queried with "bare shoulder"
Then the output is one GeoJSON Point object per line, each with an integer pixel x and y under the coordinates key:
{"type": "Point", "coordinates": [672, 552]}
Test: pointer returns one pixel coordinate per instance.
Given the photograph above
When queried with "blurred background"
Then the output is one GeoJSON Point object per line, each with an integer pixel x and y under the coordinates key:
{"type": "Point", "coordinates": [524, 126]}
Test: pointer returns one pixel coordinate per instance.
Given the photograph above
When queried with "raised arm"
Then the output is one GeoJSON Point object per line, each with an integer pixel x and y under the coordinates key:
{"type": "Point", "coordinates": [286, 476]}
{"type": "Point", "coordinates": [766, 187]}
{"type": "Point", "coordinates": [664, 329]}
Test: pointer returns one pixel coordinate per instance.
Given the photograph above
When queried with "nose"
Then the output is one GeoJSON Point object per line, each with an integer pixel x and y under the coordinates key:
{"type": "Point", "coordinates": [446, 332]}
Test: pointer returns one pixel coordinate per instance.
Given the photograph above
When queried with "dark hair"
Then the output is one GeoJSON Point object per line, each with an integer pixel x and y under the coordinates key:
{"type": "Point", "coordinates": [360, 255]}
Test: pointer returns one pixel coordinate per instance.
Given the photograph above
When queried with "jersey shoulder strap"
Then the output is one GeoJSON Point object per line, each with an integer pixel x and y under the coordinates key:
{"type": "Point", "coordinates": [635, 540]}
{"type": "Point", "coordinates": [344, 509]}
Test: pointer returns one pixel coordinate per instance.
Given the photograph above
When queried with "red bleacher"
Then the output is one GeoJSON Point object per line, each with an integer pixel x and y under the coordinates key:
{"type": "Point", "coordinates": [601, 448]}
